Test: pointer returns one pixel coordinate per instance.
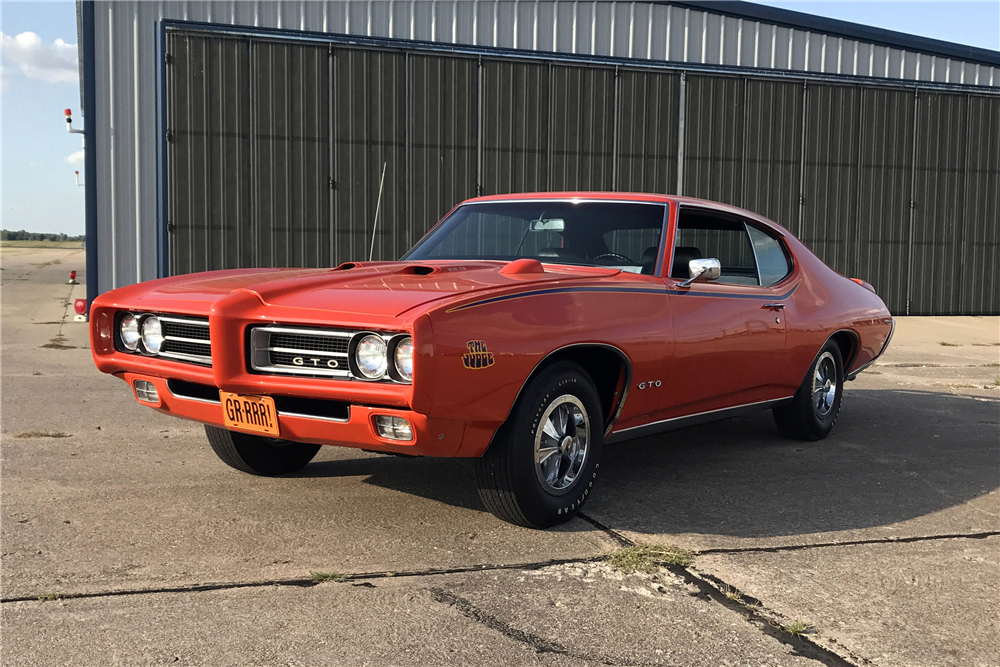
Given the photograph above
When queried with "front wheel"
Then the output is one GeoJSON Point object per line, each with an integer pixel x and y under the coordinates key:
{"type": "Point", "coordinates": [543, 462]}
{"type": "Point", "coordinates": [258, 455]}
{"type": "Point", "coordinates": [814, 408]}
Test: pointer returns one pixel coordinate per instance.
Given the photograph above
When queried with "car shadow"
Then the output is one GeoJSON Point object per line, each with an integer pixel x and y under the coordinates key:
{"type": "Point", "coordinates": [894, 455]}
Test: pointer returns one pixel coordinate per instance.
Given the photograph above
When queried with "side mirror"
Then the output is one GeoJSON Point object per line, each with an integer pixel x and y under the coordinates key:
{"type": "Point", "coordinates": [702, 269]}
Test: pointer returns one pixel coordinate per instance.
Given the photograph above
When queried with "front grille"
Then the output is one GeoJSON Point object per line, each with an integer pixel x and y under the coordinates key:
{"type": "Point", "coordinates": [307, 352]}
{"type": "Point", "coordinates": [186, 339]}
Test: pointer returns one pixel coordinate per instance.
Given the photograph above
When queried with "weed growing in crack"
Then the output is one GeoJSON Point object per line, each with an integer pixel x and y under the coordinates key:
{"type": "Point", "coordinates": [945, 343]}
{"type": "Point", "coordinates": [796, 628]}
{"type": "Point", "coordinates": [648, 558]}
{"type": "Point", "coordinates": [320, 577]}
{"type": "Point", "coordinates": [41, 434]}
{"type": "Point", "coordinates": [733, 594]}
{"type": "Point", "coordinates": [48, 597]}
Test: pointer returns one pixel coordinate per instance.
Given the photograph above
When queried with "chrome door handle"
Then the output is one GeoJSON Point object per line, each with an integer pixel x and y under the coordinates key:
{"type": "Point", "coordinates": [774, 306]}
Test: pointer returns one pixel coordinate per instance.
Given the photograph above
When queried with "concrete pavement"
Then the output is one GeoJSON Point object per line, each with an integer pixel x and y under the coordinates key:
{"type": "Point", "coordinates": [878, 538]}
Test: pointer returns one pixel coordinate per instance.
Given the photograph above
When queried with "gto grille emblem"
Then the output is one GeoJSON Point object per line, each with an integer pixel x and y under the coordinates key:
{"type": "Point", "coordinates": [315, 361]}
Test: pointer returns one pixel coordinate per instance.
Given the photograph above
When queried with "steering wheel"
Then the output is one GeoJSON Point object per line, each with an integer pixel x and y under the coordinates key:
{"type": "Point", "coordinates": [615, 256]}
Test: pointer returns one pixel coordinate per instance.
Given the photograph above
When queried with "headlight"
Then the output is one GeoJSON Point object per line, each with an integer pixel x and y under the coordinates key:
{"type": "Point", "coordinates": [370, 356]}
{"type": "Point", "coordinates": [404, 359]}
{"type": "Point", "coordinates": [152, 334]}
{"type": "Point", "coordinates": [129, 330]}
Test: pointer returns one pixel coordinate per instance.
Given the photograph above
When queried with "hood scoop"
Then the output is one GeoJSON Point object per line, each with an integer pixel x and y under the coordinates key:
{"type": "Point", "coordinates": [418, 270]}
{"type": "Point", "coordinates": [522, 267]}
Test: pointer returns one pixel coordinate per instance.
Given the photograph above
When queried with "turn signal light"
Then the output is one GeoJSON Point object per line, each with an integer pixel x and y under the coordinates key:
{"type": "Point", "coordinates": [393, 428]}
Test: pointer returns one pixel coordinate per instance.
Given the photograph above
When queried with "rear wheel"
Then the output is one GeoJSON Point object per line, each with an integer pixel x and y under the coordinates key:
{"type": "Point", "coordinates": [258, 455]}
{"type": "Point", "coordinates": [543, 462]}
{"type": "Point", "coordinates": [814, 408]}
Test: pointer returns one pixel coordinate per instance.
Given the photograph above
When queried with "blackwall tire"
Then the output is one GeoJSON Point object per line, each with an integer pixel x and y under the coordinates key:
{"type": "Point", "coordinates": [257, 455]}
{"type": "Point", "coordinates": [814, 409]}
{"type": "Point", "coordinates": [542, 464]}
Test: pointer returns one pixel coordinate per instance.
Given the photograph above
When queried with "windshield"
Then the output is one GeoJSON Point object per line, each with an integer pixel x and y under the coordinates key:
{"type": "Point", "coordinates": [623, 235]}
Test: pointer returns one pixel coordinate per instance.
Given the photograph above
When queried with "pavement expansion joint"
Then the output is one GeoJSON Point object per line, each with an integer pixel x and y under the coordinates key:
{"type": "Point", "coordinates": [298, 582]}
{"type": "Point", "coordinates": [850, 543]}
{"type": "Point", "coordinates": [769, 622]}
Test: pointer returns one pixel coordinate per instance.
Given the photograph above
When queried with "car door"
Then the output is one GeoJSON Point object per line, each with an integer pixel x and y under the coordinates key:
{"type": "Point", "coordinates": [728, 334]}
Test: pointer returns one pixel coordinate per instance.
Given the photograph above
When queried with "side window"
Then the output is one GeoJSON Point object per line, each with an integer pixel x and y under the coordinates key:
{"type": "Point", "coordinates": [701, 235]}
{"type": "Point", "coordinates": [772, 262]}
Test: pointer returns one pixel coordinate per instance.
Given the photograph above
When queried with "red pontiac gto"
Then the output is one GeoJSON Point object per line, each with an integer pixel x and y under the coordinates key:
{"type": "Point", "coordinates": [525, 331]}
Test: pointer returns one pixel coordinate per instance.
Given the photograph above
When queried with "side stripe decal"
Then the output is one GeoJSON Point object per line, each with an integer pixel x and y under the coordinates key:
{"type": "Point", "coordinates": [623, 290]}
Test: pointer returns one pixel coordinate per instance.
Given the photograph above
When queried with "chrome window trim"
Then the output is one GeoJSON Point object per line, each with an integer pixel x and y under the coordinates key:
{"type": "Point", "coordinates": [571, 200]}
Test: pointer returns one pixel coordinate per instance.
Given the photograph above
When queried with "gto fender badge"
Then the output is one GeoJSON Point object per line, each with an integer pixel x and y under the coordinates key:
{"type": "Point", "coordinates": [477, 356]}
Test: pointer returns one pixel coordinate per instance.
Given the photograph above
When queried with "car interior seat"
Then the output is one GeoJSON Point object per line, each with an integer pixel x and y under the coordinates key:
{"type": "Point", "coordinates": [682, 255]}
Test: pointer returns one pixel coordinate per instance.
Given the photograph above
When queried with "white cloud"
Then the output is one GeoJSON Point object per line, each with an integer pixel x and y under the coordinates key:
{"type": "Point", "coordinates": [75, 158]}
{"type": "Point", "coordinates": [51, 63]}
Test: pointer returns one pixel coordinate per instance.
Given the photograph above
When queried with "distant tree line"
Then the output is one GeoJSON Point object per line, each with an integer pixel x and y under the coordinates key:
{"type": "Point", "coordinates": [21, 235]}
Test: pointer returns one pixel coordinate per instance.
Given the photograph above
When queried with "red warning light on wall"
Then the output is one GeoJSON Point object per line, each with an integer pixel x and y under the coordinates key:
{"type": "Point", "coordinates": [69, 112]}
{"type": "Point", "coordinates": [80, 306]}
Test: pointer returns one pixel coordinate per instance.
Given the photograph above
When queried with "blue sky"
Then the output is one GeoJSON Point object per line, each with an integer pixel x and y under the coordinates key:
{"type": "Point", "coordinates": [38, 191]}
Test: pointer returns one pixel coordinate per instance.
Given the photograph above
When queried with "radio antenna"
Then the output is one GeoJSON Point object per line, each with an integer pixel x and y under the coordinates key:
{"type": "Point", "coordinates": [371, 253]}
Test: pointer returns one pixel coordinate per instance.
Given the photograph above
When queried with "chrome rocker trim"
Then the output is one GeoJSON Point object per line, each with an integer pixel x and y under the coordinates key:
{"type": "Point", "coordinates": [691, 420]}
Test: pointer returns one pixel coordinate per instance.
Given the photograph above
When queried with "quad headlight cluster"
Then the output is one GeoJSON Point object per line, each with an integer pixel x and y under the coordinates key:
{"type": "Point", "coordinates": [144, 329]}
{"type": "Point", "coordinates": [375, 358]}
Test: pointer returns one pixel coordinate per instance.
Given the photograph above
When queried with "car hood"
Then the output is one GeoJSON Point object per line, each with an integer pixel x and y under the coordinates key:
{"type": "Point", "coordinates": [378, 288]}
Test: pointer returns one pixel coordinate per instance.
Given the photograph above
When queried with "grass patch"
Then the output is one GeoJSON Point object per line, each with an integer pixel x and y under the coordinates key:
{"type": "Point", "coordinates": [733, 594]}
{"type": "Point", "coordinates": [49, 597]}
{"type": "Point", "coordinates": [41, 244]}
{"type": "Point", "coordinates": [648, 558]}
{"type": "Point", "coordinates": [42, 434]}
{"type": "Point", "coordinates": [996, 383]}
{"type": "Point", "coordinates": [796, 628]}
{"type": "Point", "coordinates": [945, 343]}
{"type": "Point", "coordinates": [320, 577]}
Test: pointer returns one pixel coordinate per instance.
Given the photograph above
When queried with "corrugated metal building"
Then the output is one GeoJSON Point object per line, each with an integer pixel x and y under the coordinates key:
{"type": "Point", "coordinates": [226, 134]}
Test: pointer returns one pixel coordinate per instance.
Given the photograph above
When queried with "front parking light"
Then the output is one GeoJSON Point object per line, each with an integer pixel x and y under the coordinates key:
{"type": "Point", "coordinates": [146, 391]}
{"type": "Point", "coordinates": [393, 428]}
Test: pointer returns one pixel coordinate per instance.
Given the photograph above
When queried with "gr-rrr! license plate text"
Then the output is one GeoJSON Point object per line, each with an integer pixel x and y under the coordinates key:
{"type": "Point", "coordinates": [249, 413]}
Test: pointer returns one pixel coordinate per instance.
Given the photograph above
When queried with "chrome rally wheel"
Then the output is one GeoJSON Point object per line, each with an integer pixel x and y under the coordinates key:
{"type": "Point", "coordinates": [561, 443]}
{"type": "Point", "coordinates": [825, 383]}
{"type": "Point", "coordinates": [542, 464]}
{"type": "Point", "coordinates": [812, 412]}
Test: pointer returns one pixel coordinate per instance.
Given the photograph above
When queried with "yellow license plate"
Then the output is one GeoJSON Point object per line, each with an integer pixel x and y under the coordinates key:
{"type": "Point", "coordinates": [249, 413]}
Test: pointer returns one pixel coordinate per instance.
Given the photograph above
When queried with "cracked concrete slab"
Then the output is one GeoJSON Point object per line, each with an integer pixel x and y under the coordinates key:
{"type": "Point", "coordinates": [921, 604]}
{"type": "Point", "coordinates": [131, 498]}
{"type": "Point", "coordinates": [563, 615]}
